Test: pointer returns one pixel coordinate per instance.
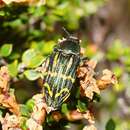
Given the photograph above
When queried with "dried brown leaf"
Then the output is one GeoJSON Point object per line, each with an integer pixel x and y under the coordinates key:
{"type": "Point", "coordinates": [10, 1]}
{"type": "Point", "coordinates": [10, 122]}
{"type": "Point", "coordinates": [6, 99]}
{"type": "Point", "coordinates": [4, 79]}
{"type": "Point", "coordinates": [91, 63]}
{"type": "Point", "coordinates": [87, 81]}
{"type": "Point", "coordinates": [9, 102]}
{"type": "Point", "coordinates": [76, 115]}
{"type": "Point", "coordinates": [33, 125]}
{"type": "Point", "coordinates": [90, 127]}
{"type": "Point", "coordinates": [107, 79]}
{"type": "Point", "coordinates": [39, 2]}
{"type": "Point", "coordinates": [38, 115]}
{"type": "Point", "coordinates": [1, 3]}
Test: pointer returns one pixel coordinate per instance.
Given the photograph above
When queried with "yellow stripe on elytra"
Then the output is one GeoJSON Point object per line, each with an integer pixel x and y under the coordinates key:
{"type": "Point", "coordinates": [53, 74]}
{"type": "Point", "coordinates": [66, 97]}
{"type": "Point", "coordinates": [69, 64]}
{"type": "Point", "coordinates": [55, 60]}
{"type": "Point", "coordinates": [72, 79]}
{"type": "Point", "coordinates": [48, 88]}
{"type": "Point", "coordinates": [63, 90]}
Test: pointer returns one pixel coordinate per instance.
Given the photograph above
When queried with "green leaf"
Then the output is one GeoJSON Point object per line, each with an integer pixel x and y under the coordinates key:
{"type": "Point", "coordinates": [36, 61]}
{"type": "Point", "coordinates": [30, 104]}
{"type": "Point", "coordinates": [16, 23]}
{"type": "Point", "coordinates": [64, 109]}
{"type": "Point", "coordinates": [23, 124]}
{"type": "Point", "coordinates": [1, 113]}
{"type": "Point", "coordinates": [14, 55]}
{"type": "Point", "coordinates": [110, 125]}
{"type": "Point", "coordinates": [24, 110]}
{"type": "Point", "coordinates": [6, 50]}
{"type": "Point", "coordinates": [48, 47]}
{"type": "Point", "coordinates": [81, 106]}
{"type": "Point", "coordinates": [32, 58]}
{"type": "Point", "coordinates": [62, 9]}
{"type": "Point", "coordinates": [51, 3]}
{"type": "Point", "coordinates": [2, 13]}
{"type": "Point", "coordinates": [49, 119]}
{"type": "Point", "coordinates": [40, 11]}
{"type": "Point", "coordinates": [11, 91]}
{"type": "Point", "coordinates": [43, 47]}
{"type": "Point", "coordinates": [31, 74]}
{"type": "Point", "coordinates": [13, 68]}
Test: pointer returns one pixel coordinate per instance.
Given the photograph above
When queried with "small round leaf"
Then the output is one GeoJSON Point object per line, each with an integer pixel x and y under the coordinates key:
{"type": "Point", "coordinates": [64, 108]}
{"type": "Point", "coordinates": [24, 110]}
{"type": "Point", "coordinates": [13, 68]}
{"type": "Point", "coordinates": [32, 59]}
{"type": "Point", "coordinates": [31, 74]}
{"type": "Point", "coordinates": [81, 106]}
{"type": "Point", "coordinates": [6, 50]}
{"type": "Point", "coordinates": [30, 104]}
{"type": "Point", "coordinates": [110, 125]}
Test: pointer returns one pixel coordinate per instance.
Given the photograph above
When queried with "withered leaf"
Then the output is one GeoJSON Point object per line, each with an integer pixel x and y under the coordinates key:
{"type": "Point", "coordinates": [6, 99]}
{"type": "Point", "coordinates": [38, 115]}
{"type": "Point", "coordinates": [76, 115]}
{"type": "Point", "coordinates": [89, 127]}
{"type": "Point", "coordinates": [10, 122]}
{"type": "Point", "coordinates": [107, 79]}
{"type": "Point", "coordinates": [4, 79]}
{"type": "Point", "coordinates": [87, 81]}
{"type": "Point", "coordinates": [40, 2]}
{"type": "Point", "coordinates": [9, 101]}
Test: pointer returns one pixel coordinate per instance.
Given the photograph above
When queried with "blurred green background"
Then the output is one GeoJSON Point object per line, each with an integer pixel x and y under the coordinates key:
{"type": "Point", "coordinates": [28, 34]}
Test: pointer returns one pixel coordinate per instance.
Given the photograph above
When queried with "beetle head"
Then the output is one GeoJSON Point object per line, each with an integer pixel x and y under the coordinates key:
{"type": "Point", "coordinates": [70, 45]}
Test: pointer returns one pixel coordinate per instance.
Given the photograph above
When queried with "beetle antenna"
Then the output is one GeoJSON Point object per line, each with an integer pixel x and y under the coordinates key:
{"type": "Point", "coordinates": [66, 32]}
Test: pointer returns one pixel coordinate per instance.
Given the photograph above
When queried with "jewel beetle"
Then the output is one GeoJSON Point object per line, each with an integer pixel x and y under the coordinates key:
{"type": "Point", "coordinates": [60, 71]}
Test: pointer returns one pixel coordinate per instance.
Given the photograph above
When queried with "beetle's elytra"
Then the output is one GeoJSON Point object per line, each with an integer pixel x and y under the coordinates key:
{"type": "Point", "coordinates": [60, 71]}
